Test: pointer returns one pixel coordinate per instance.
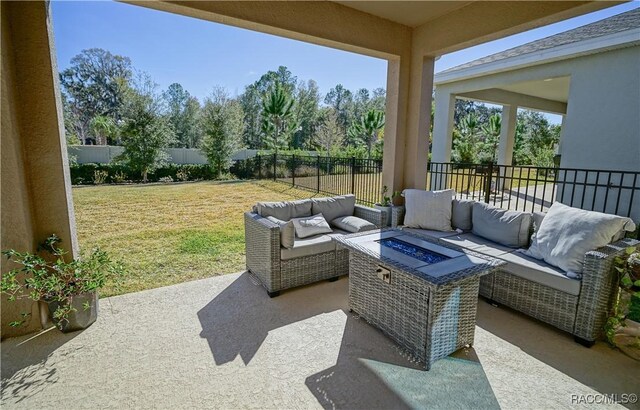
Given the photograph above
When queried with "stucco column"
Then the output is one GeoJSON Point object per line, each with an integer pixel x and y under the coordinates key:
{"type": "Point", "coordinates": [443, 123]}
{"type": "Point", "coordinates": [394, 128]}
{"type": "Point", "coordinates": [507, 140]}
{"type": "Point", "coordinates": [418, 122]}
{"type": "Point", "coordinates": [408, 117]}
{"type": "Point", "coordinates": [443, 126]}
{"type": "Point", "coordinates": [36, 187]}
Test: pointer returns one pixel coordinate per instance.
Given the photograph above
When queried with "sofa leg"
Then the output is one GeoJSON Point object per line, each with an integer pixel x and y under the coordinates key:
{"type": "Point", "coordinates": [493, 303]}
{"type": "Point", "coordinates": [335, 278]}
{"type": "Point", "coordinates": [584, 342]}
{"type": "Point", "coordinates": [273, 294]}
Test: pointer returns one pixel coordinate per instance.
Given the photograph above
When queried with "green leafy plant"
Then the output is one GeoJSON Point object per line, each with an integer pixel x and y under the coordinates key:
{"type": "Point", "coordinates": [47, 276]}
{"type": "Point", "coordinates": [100, 177]}
{"type": "Point", "coordinates": [119, 177]}
{"type": "Point", "coordinates": [627, 305]}
{"type": "Point", "coordinates": [387, 200]}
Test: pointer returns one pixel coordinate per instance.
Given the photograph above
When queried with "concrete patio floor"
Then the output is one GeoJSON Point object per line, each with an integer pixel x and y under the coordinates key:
{"type": "Point", "coordinates": [222, 343]}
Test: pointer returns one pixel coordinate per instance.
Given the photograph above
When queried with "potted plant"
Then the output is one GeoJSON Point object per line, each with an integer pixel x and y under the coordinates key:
{"type": "Point", "coordinates": [67, 291]}
{"type": "Point", "coordinates": [623, 327]}
{"type": "Point", "coordinates": [386, 204]}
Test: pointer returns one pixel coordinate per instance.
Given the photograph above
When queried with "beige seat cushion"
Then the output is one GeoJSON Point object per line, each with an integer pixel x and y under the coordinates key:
{"type": "Point", "coordinates": [540, 272]}
{"type": "Point", "coordinates": [338, 232]}
{"type": "Point", "coordinates": [477, 244]}
{"type": "Point", "coordinates": [312, 245]}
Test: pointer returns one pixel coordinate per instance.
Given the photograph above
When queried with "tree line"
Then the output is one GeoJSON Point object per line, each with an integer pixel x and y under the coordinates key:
{"type": "Point", "coordinates": [107, 101]}
{"type": "Point", "coordinates": [476, 136]}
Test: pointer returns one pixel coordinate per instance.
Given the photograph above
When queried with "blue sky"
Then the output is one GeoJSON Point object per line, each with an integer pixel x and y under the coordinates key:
{"type": "Point", "coordinates": [200, 54]}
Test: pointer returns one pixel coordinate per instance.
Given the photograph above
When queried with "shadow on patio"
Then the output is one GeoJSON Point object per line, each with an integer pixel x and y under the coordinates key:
{"type": "Point", "coordinates": [370, 370]}
{"type": "Point", "coordinates": [222, 343]}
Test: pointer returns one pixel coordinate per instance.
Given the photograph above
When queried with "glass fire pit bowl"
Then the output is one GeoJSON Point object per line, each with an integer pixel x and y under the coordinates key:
{"type": "Point", "coordinates": [412, 250]}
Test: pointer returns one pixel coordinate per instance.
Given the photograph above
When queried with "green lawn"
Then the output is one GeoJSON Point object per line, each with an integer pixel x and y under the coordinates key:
{"type": "Point", "coordinates": [167, 234]}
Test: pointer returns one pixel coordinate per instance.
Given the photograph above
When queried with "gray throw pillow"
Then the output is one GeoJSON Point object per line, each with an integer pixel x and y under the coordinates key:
{"type": "Point", "coordinates": [509, 228]}
{"type": "Point", "coordinates": [333, 207]}
{"type": "Point", "coordinates": [311, 225]}
{"type": "Point", "coordinates": [287, 231]}
{"type": "Point", "coordinates": [352, 224]}
{"type": "Point", "coordinates": [284, 210]}
{"type": "Point", "coordinates": [461, 211]}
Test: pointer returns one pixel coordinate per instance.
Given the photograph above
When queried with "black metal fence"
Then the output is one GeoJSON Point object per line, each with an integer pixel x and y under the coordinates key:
{"type": "Point", "coordinates": [326, 175]}
{"type": "Point", "coordinates": [535, 189]}
{"type": "Point", "coordinates": [522, 188]}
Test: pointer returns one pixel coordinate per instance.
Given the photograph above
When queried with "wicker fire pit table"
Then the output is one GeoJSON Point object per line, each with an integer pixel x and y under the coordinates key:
{"type": "Point", "coordinates": [423, 295]}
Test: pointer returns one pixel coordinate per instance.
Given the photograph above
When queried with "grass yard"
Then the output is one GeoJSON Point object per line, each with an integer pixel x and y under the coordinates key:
{"type": "Point", "coordinates": [167, 234]}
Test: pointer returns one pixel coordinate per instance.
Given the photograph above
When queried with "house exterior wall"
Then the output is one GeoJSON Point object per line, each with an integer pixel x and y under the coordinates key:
{"type": "Point", "coordinates": [36, 187]}
{"type": "Point", "coordinates": [602, 125]}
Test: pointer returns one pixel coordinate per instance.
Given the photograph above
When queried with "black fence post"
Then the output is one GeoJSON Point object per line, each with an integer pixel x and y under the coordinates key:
{"type": "Point", "coordinates": [318, 173]}
{"type": "Point", "coordinates": [293, 170]}
{"type": "Point", "coordinates": [353, 175]}
{"type": "Point", "coordinates": [275, 164]}
{"type": "Point", "coordinates": [259, 160]}
{"type": "Point", "coordinates": [487, 188]}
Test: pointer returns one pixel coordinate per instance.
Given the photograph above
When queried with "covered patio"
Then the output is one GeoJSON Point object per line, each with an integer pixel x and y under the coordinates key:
{"type": "Point", "coordinates": [221, 342]}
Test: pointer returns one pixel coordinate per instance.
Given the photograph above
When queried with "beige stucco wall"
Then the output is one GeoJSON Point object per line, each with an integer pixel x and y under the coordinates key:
{"type": "Point", "coordinates": [16, 216]}
{"type": "Point", "coordinates": [36, 189]}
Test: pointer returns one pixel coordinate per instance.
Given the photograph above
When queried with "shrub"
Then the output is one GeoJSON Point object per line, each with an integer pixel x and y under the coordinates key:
{"type": "Point", "coordinates": [100, 177]}
{"type": "Point", "coordinates": [119, 177]}
{"type": "Point", "coordinates": [182, 175]}
{"type": "Point", "coordinates": [119, 173]}
{"type": "Point", "coordinates": [165, 180]}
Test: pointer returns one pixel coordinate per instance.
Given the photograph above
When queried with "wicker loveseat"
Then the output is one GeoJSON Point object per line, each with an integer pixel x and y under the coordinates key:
{"type": "Point", "coordinates": [578, 306]}
{"type": "Point", "coordinates": [310, 259]}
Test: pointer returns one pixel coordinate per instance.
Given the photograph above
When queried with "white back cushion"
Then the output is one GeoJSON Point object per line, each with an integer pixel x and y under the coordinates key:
{"type": "Point", "coordinates": [428, 209]}
{"type": "Point", "coordinates": [567, 233]}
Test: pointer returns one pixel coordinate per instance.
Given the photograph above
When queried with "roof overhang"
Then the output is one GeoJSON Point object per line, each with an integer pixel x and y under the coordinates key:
{"type": "Point", "coordinates": [601, 44]}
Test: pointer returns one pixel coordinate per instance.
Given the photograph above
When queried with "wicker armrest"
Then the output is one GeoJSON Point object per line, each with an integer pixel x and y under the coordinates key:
{"type": "Point", "coordinates": [262, 249]}
{"type": "Point", "coordinates": [375, 216]}
{"type": "Point", "coordinates": [397, 216]}
{"type": "Point", "coordinates": [598, 289]}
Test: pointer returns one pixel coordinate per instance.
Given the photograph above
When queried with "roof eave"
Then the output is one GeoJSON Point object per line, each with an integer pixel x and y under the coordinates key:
{"type": "Point", "coordinates": [588, 46]}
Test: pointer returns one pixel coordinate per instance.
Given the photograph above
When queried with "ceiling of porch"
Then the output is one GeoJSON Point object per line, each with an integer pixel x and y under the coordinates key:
{"type": "Point", "coordinates": [547, 95]}
{"type": "Point", "coordinates": [555, 89]}
{"type": "Point", "coordinates": [408, 13]}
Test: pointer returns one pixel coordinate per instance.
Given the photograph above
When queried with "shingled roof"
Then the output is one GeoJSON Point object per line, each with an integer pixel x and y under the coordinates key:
{"type": "Point", "coordinates": [615, 24]}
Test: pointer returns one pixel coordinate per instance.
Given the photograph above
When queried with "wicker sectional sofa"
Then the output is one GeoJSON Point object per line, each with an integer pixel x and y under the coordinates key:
{"type": "Point", "coordinates": [310, 259]}
{"type": "Point", "coordinates": [578, 306]}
